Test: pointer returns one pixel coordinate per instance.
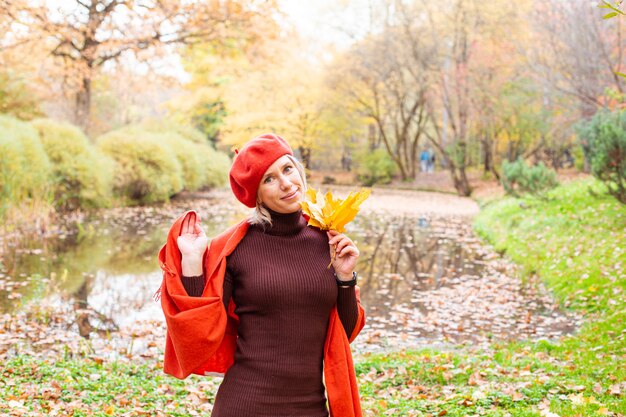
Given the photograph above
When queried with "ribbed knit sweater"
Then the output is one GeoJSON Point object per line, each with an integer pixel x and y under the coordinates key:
{"type": "Point", "coordinates": [284, 293]}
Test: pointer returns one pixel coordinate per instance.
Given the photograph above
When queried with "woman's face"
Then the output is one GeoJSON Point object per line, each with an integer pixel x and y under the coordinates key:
{"type": "Point", "coordinates": [281, 187]}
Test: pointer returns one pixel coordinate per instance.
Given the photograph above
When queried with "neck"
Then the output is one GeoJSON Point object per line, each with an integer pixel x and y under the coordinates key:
{"type": "Point", "coordinates": [285, 223]}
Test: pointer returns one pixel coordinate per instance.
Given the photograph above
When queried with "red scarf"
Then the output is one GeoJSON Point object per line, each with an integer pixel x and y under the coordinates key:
{"type": "Point", "coordinates": [194, 346]}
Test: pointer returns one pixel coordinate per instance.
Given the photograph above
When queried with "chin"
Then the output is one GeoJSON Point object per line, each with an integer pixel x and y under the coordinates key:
{"type": "Point", "coordinates": [292, 209]}
{"type": "Point", "coordinates": [287, 208]}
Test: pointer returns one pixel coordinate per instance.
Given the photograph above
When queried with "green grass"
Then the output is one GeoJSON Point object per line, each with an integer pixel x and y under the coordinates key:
{"type": "Point", "coordinates": [575, 242]}
{"type": "Point", "coordinates": [87, 387]}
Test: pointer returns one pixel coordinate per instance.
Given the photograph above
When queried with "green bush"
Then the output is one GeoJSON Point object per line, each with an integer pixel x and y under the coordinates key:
{"type": "Point", "coordinates": [82, 177]}
{"type": "Point", "coordinates": [187, 153]}
{"type": "Point", "coordinates": [24, 166]}
{"type": "Point", "coordinates": [203, 166]}
{"type": "Point", "coordinates": [579, 158]}
{"type": "Point", "coordinates": [604, 140]}
{"type": "Point", "coordinates": [16, 98]}
{"type": "Point", "coordinates": [375, 167]}
{"type": "Point", "coordinates": [518, 178]}
{"type": "Point", "coordinates": [215, 166]}
{"type": "Point", "coordinates": [146, 168]}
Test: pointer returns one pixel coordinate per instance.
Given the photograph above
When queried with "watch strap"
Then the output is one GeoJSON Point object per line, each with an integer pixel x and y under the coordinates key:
{"type": "Point", "coordinates": [350, 283]}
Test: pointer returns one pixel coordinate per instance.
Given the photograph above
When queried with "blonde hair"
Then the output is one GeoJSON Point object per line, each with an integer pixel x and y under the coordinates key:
{"type": "Point", "coordinates": [261, 216]}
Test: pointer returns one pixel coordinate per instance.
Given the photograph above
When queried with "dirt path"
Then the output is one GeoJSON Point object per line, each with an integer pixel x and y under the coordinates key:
{"type": "Point", "coordinates": [391, 201]}
{"type": "Point", "coordinates": [420, 202]}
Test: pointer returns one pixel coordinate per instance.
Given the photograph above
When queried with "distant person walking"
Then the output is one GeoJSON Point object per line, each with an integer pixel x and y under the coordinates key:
{"type": "Point", "coordinates": [431, 162]}
{"type": "Point", "coordinates": [424, 160]}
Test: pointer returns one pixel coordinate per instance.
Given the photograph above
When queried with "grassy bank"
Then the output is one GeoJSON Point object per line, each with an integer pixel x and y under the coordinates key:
{"type": "Point", "coordinates": [575, 242]}
{"type": "Point", "coordinates": [92, 387]}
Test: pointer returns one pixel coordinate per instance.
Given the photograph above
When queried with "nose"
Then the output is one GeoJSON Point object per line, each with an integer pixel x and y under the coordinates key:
{"type": "Point", "coordinates": [285, 182]}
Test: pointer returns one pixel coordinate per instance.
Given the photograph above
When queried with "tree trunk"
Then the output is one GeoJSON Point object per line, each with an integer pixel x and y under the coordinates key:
{"type": "Point", "coordinates": [486, 142]}
{"type": "Point", "coordinates": [464, 189]}
{"type": "Point", "coordinates": [495, 172]}
{"type": "Point", "coordinates": [461, 183]}
{"type": "Point", "coordinates": [459, 177]}
{"type": "Point", "coordinates": [83, 104]}
{"type": "Point", "coordinates": [305, 156]}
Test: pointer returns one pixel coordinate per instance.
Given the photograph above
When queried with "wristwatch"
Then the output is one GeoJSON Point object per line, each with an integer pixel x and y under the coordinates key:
{"type": "Point", "coordinates": [350, 283]}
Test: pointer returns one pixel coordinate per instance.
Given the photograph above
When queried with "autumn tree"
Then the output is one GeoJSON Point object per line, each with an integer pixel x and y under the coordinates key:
{"type": "Point", "coordinates": [84, 35]}
{"type": "Point", "coordinates": [389, 76]}
{"type": "Point", "coordinates": [614, 9]}
{"type": "Point", "coordinates": [578, 54]}
{"type": "Point", "coordinates": [273, 86]}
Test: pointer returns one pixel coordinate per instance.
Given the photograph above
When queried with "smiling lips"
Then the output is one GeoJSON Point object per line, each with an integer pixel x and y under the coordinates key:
{"type": "Point", "coordinates": [290, 195]}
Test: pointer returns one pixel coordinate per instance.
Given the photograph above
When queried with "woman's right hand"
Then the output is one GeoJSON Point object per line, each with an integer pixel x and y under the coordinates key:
{"type": "Point", "coordinates": [192, 244]}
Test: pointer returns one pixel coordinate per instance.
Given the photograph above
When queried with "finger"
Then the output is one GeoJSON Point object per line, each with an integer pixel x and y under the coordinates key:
{"type": "Point", "coordinates": [349, 250]}
{"type": "Point", "coordinates": [343, 250]}
{"type": "Point", "coordinates": [342, 244]}
{"type": "Point", "coordinates": [187, 223]}
{"type": "Point", "coordinates": [335, 239]}
{"type": "Point", "coordinates": [198, 229]}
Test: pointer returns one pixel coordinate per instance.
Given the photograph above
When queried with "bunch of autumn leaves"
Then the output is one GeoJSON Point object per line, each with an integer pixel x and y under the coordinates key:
{"type": "Point", "coordinates": [329, 213]}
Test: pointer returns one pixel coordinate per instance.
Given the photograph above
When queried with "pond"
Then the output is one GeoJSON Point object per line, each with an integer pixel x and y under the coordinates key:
{"type": "Point", "coordinates": [425, 280]}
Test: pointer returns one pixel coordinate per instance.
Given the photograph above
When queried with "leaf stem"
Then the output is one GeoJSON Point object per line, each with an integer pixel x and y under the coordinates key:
{"type": "Point", "coordinates": [334, 256]}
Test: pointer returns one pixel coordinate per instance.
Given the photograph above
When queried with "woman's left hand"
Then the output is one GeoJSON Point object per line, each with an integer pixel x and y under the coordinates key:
{"type": "Point", "coordinates": [346, 254]}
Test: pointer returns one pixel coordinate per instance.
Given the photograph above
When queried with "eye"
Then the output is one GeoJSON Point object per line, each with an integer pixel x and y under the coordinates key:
{"type": "Point", "coordinates": [267, 180]}
{"type": "Point", "coordinates": [288, 168]}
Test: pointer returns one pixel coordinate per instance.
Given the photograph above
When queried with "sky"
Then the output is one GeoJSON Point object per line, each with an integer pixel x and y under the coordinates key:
{"type": "Point", "coordinates": [337, 23]}
{"type": "Point", "coordinates": [326, 21]}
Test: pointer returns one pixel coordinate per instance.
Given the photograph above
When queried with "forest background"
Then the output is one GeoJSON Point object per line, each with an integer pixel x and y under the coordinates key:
{"type": "Point", "coordinates": [364, 87]}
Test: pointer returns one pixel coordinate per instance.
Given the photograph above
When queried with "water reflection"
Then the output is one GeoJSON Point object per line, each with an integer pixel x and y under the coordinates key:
{"type": "Point", "coordinates": [402, 255]}
{"type": "Point", "coordinates": [108, 271]}
{"type": "Point", "coordinates": [423, 279]}
{"type": "Point", "coordinates": [430, 280]}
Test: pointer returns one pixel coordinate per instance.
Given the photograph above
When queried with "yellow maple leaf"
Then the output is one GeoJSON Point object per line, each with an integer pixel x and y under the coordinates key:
{"type": "Point", "coordinates": [330, 213]}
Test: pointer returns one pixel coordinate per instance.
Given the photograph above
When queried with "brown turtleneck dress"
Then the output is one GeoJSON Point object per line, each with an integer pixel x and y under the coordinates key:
{"type": "Point", "coordinates": [284, 293]}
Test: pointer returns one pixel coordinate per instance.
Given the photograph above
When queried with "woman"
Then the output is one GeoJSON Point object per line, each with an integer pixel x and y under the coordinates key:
{"type": "Point", "coordinates": [260, 304]}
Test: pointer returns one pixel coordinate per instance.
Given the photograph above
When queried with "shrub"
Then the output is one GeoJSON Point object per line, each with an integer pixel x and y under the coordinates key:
{"type": "Point", "coordinates": [579, 158]}
{"type": "Point", "coordinates": [518, 178]}
{"type": "Point", "coordinates": [146, 169]}
{"type": "Point", "coordinates": [604, 140]}
{"type": "Point", "coordinates": [82, 177]}
{"type": "Point", "coordinates": [202, 165]}
{"type": "Point", "coordinates": [24, 166]}
{"type": "Point", "coordinates": [215, 166]}
{"type": "Point", "coordinates": [16, 98]}
{"type": "Point", "coordinates": [375, 167]}
{"type": "Point", "coordinates": [187, 153]}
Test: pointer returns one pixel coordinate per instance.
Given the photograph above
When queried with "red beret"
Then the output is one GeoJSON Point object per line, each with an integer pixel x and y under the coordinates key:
{"type": "Point", "coordinates": [252, 161]}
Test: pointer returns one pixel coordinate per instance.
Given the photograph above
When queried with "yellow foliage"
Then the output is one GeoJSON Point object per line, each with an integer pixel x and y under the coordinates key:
{"type": "Point", "coordinates": [330, 213]}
